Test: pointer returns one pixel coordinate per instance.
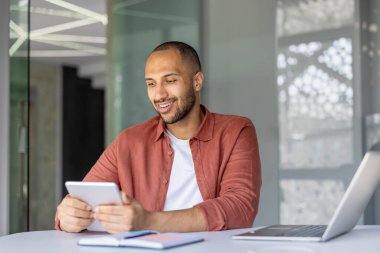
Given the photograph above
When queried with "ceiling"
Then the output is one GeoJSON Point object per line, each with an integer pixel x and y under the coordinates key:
{"type": "Point", "coordinates": [73, 32]}
{"type": "Point", "coordinates": [69, 32]}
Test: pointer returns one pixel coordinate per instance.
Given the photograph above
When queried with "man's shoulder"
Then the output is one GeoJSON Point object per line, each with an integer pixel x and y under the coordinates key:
{"type": "Point", "coordinates": [145, 128]}
{"type": "Point", "coordinates": [229, 120]}
{"type": "Point", "coordinates": [228, 129]}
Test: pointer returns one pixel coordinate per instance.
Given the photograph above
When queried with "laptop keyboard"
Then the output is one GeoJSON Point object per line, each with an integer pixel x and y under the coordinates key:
{"type": "Point", "coordinates": [306, 231]}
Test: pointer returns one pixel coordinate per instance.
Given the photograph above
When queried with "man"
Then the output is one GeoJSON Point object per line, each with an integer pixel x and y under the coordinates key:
{"type": "Point", "coordinates": [185, 170]}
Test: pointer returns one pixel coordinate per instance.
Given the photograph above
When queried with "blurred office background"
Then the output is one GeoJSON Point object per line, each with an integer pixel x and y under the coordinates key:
{"type": "Point", "coordinates": [306, 72]}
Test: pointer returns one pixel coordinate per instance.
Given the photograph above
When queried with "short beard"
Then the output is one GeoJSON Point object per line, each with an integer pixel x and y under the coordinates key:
{"type": "Point", "coordinates": [183, 112]}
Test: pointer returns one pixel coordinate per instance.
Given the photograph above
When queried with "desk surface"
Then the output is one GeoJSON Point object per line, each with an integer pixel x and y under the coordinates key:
{"type": "Point", "coordinates": [361, 239]}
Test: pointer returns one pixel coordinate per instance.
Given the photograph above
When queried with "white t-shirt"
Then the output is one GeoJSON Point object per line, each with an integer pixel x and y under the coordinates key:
{"type": "Point", "coordinates": [183, 189]}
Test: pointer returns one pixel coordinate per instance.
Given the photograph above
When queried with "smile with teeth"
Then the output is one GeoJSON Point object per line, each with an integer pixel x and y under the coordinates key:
{"type": "Point", "coordinates": [164, 107]}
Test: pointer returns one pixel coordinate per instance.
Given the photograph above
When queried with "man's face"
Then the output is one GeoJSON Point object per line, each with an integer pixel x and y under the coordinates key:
{"type": "Point", "coordinates": [170, 85]}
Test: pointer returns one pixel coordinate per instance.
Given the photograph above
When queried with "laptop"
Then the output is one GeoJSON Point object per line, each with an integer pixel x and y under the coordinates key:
{"type": "Point", "coordinates": [349, 210]}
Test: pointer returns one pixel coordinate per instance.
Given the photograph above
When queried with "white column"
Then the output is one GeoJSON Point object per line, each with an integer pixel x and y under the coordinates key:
{"type": "Point", "coordinates": [4, 116]}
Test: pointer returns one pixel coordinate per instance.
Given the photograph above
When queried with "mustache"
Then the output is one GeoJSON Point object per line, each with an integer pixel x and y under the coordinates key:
{"type": "Point", "coordinates": [166, 100]}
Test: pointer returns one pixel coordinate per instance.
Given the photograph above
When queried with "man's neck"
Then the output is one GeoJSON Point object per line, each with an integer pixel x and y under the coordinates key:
{"type": "Point", "coordinates": [188, 126]}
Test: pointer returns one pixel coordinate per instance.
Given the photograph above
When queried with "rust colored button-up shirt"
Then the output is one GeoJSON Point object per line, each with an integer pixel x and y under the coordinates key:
{"type": "Point", "coordinates": [226, 161]}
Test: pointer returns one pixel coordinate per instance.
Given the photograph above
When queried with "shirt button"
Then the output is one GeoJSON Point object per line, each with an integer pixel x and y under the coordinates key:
{"type": "Point", "coordinates": [164, 181]}
{"type": "Point", "coordinates": [170, 153]}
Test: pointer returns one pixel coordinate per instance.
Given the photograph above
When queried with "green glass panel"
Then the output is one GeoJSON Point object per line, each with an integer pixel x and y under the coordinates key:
{"type": "Point", "coordinates": [135, 28]}
{"type": "Point", "coordinates": [19, 74]}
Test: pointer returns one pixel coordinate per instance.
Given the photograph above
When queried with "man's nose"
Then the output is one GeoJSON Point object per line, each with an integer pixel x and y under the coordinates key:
{"type": "Point", "coordinates": [161, 92]}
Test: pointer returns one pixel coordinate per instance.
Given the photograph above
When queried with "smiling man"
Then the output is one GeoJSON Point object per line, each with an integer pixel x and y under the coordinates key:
{"type": "Point", "coordinates": [185, 170]}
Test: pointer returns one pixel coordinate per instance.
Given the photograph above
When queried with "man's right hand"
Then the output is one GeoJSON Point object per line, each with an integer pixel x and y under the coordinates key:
{"type": "Point", "coordinates": [74, 215]}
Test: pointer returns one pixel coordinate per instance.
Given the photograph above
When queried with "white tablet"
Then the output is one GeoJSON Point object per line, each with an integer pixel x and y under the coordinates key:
{"type": "Point", "coordinates": [95, 194]}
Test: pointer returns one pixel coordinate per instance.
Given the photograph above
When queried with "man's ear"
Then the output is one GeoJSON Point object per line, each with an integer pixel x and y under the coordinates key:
{"type": "Point", "coordinates": [198, 81]}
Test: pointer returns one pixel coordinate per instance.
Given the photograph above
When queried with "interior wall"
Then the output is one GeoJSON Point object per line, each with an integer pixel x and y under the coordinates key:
{"type": "Point", "coordinates": [240, 66]}
{"type": "Point", "coordinates": [4, 115]}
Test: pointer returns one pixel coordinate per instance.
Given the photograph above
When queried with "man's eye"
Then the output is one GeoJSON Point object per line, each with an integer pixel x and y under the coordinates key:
{"type": "Point", "coordinates": [171, 81]}
{"type": "Point", "coordinates": [149, 84]}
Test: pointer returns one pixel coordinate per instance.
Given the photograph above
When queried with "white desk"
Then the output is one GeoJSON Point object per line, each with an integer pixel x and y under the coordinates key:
{"type": "Point", "coordinates": [363, 239]}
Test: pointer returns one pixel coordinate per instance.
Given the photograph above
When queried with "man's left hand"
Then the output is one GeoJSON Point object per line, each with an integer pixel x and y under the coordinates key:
{"type": "Point", "coordinates": [127, 217]}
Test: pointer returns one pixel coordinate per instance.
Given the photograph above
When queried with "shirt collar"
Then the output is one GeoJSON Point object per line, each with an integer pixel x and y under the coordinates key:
{"type": "Point", "coordinates": [204, 132]}
{"type": "Point", "coordinates": [160, 128]}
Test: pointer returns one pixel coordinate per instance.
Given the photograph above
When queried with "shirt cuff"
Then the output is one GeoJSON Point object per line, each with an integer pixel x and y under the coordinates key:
{"type": "Point", "coordinates": [214, 218]}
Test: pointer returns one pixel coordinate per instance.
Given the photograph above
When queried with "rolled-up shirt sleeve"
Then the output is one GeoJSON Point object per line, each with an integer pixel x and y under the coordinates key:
{"type": "Point", "coordinates": [237, 203]}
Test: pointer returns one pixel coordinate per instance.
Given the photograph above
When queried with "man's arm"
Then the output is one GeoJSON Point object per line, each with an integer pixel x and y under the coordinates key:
{"type": "Point", "coordinates": [187, 220]}
{"type": "Point", "coordinates": [237, 201]}
{"type": "Point", "coordinates": [132, 216]}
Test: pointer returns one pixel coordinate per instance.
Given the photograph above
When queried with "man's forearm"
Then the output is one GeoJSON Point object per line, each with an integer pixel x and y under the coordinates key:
{"type": "Point", "coordinates": [187, 220]}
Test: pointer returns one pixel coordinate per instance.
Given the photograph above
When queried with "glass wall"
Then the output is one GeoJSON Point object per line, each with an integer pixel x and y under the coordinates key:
{"type": "Point", "coordinates": [19, 115]}
{"type": "Point", "coordinates": [135, 28]}
{"type": "Point", "coordinates": [4, 117]}
{"type": "Point", "coordinates": [316, 106]}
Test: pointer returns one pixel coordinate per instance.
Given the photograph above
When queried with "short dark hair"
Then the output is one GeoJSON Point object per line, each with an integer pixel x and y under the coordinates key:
{"type": "Point", "coordinates": [187, 52]}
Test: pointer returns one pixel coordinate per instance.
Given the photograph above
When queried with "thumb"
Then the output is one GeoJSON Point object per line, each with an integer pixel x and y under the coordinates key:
{"type": "Point", "coordinates": [126, 199]}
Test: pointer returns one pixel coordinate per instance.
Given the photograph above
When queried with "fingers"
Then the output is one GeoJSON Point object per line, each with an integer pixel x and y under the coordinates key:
{"type": "Point", "coordinates": [69, 227]}
{"type": "Point", "coordinates": [114, 223]}
{"type": "Point", "coordinates": [74, 221]}
{"type": "Point", "coordinates": [115, 214]}
{"type": "Point", "coordinates": [70, 223]}
{"type": "Point", "coordinates": [78, 213]}
{"type": "Point", "coordinates": [115, 210]}
{"type": "Point", "coordinates": [76, 203]}
{"type": "Point", "coordinates": [75, 208]}
{"type": "Point", "coordinates": [74, 215]}
{"type": "Point", "coordinates": [115, 220]}
{"type": "Point", "coordinates": [73, 228]}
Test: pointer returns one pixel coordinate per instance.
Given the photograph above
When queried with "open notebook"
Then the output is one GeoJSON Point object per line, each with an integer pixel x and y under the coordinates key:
{"type": "Point", "coordinates": [141, 239]}
{"type": "Point", "coordinates": [352, 205]}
